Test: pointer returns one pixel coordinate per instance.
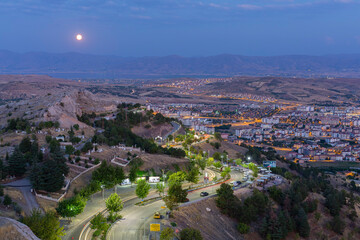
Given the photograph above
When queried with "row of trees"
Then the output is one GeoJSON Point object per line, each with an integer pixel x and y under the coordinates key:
{"type": "Point", "coordinates": [275, 224]}
{"type": "Point", "coordinates": [24, 125]}
{"type": "Point", "coordinates": [47, 171]}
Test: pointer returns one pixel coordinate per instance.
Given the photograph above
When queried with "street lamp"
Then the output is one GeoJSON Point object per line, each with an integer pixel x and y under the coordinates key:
{"type": "Point", "coordinates": [102, 189]}
{"type": "Point", "coordinates": [249, 158]}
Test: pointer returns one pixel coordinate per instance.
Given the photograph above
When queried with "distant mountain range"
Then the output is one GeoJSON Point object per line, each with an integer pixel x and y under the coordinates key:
{"type": "Point", "coordinates": [76, 65]}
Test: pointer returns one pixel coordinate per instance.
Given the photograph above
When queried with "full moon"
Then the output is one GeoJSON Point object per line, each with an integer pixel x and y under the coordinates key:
{"type": "Point", "coordinates": [79, 37]}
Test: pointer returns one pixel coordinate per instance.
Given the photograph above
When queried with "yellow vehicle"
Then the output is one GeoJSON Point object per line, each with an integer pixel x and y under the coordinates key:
{"type": "Point", "coordinates": [157, 215]}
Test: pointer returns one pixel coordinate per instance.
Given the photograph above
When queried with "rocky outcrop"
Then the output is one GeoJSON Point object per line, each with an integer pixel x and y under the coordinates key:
{"type": "Point", "coordinates": [14, 230]}
{"type": "Point", "coordinates": [75, 104]}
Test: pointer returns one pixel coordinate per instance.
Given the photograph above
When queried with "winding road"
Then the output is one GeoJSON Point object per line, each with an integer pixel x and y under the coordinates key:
{"type": "Point", "coordinates": [136, 219]}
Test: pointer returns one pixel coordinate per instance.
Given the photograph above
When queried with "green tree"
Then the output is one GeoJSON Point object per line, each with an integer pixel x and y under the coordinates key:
{"type": "Point", "coordinates": [108, 175]}
{"type": "Point", "coordinates": [226, 172]}
{"type": "Point", "coordinates": [71, 207]}
{"type": "Point", "coordinates": [47, 176]}
{"type": "Point", "coordinates": [167, 234]}
{"type": "Point", "coordinates": [132, 174]}
{"type": "Point", "coordinates": [98, 222]}
{"type": "Point", "coordinates": [210, 162]}
{"type": "Point", "coordinates": [45, 226]}
{"type": "Point", "coordinates": [243, 228]}
{"type": "Point", "coordinates": [25, 145]}
{"type": "Point", "coordinates": [160, 188]}
{"type": "Point", "coordinates": [337, 225]}
{"type": "Point", "coordinates": [48, 138]}
{"type": "Point", "coordinates": [170, 202]}
{"type": "Point", "coordinates": [7, 200]}
{"type": "Point", "coordinates": [17, 163]}
{"type": "Point", "coordinates": [217, 136]}
{"type": "Point", "coordinates": [302, 223]}
{"type": "Point", "coordinates": [238, 161]}
{"type": "Point", "coordinates": [228, 203]}
{"type": "Point", "coordinates": [114, 204]}
{"type": "Point", "coordinates": [276, 194]}
{"type": "Point", "coordinates": [58, 157]}
{"type": "Point", "coordinates": [217, 164]}
{"type": "Point", "coordinates": [69, 149]}
{"type": "Point", "coordinates": [76, 127]}
{"type": "Point", "coordinates": [3, 170]}
{"type": "Point", "coordinates": [177, 178]}
{"type": "Point", "coordinates": [54, 145]}
{"type": "Point", "coordinates": [190, 234]}
{"type": "Point", "coordinates": [193, 175]}
{"type": "Point", "coordinates": [333, 204]}
{"type": "Point", "coordinates": [142, 189]}
{"type": "Point", "coordinates": [177, 193]}
{"type": "Point", "coordinates": [200, 161]}
{"type": "Point", "coordinates": [87, 147]}
{"type": "Point", "coordinates": [217, 156]}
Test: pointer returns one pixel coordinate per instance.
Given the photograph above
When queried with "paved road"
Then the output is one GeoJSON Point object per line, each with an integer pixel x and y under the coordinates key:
{"type": "Point", "coordinates": [176, 127]}
{"type": "Point", "coordinates": [93, 206]}
{"type": "Point", "coordinates": [80, 145]}
{"type": "Point", "coordinates": [134, 216]}
{"type": "Point", "coordinates": [137, 219]}
{"type": "Point", "coordinates": [24, 186]}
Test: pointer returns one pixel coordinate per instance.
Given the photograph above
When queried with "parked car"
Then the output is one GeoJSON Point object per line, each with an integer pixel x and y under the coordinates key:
{"type": "Point", "coordinates": [204, 194]}
{"type": "Point", "coordinates": [157, 215]}
{"type": "Point", "coordinates": [186, 200]}
{"type": "Point", "coordinates": [238, 182]}
{"type": "Point", "coordinates": [234, 184]}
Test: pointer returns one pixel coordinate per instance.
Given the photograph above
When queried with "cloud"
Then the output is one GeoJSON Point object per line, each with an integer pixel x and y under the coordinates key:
{"type": "Point", "coordinates": [249, 7]}
{"type": "Point", "coordinates": [214, 5]}
{"type": "Point", "coordinates": [344, 1]}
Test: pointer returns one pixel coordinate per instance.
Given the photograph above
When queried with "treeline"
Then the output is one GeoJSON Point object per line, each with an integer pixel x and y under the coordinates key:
{"type": "Point", "coordinates": [47, 171]}
{"type": "Point", "coordinates": [116, 133]}
{"type": "Point", "coordinates": [24, 125]}
{"type": "Point", "coordinates": [293, 205]}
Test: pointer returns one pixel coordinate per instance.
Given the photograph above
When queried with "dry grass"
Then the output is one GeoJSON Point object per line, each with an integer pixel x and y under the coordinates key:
{"type": "Point", "coordinates": [79, 183]}
{"type": "Point", "coordinates": [213, 225]}
{"type": "Point", "coordinates": [46, 205]}
{"type": "Point", "coordinates": [15, 195]}
{"type": "Point", "coordinates": [231, 148]}
{"type": "Point", "coordinates": [154, 131]}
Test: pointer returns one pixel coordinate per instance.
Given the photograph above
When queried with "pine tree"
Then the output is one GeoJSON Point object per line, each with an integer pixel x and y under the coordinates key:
{"type": "Point", "coordinates": [17, 163]}
{"type": "Point", "coordinates": [2, 169]}
{"type": "Point", "coordinates": [47, 176]}
{"type": "Point", "coordinates": [302, 223]}
{"type": "Point", "coordinates": [25, 145]}
{"type": "Point", "coordinates": [60, 160]}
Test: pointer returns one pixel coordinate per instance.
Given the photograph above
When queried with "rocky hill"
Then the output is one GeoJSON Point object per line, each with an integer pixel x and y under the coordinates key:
{"type": "Point", "coordinates": [14, 230]}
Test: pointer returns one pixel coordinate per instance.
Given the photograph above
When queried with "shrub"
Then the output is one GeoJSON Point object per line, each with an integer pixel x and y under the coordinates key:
{"type": "Point", "coordinates": [190, 234]}
{"type": "Point", "coordinates": [243, 228]}
{"type": "Point", "coordinates": [7, 200]}
{"type": "Point", "coordinates": [337, 225]}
